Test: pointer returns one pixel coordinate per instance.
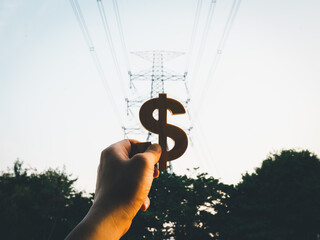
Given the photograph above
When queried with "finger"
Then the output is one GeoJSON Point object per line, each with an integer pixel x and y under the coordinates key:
{"type": "Point", "coordinates": [127, 145]}
{"type": "Point", "coordinates": [121, 149]}
{"type": "Point", "coordinates": [145, 204]}
{"type": "Point", "coordinates": [153, 153]}
{"type": "Point", "coordinates": [139, 147]}
{"type": "Point", "coordinates": [156, 172]}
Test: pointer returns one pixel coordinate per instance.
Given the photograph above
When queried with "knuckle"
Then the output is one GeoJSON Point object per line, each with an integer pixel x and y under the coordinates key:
{"type": "Point", "coordinates": [106, 152]}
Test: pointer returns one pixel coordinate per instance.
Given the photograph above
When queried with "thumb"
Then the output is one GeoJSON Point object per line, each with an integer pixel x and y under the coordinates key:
{"type": "Point", "coordinates": [153, 153]}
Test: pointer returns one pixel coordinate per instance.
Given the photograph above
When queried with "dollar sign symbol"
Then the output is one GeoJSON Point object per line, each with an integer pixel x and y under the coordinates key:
{"type": "Point", "coordinates": [161, 127]}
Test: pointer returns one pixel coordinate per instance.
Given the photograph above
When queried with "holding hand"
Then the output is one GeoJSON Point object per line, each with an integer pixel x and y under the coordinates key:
{"type": "Point", "coordinates": [122, 188]}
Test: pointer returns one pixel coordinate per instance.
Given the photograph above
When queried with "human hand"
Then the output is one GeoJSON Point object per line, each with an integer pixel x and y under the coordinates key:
{"type": "Point", "coordinates": [122, 189]}
{"type": "Point", "coordinates": [124, 182]}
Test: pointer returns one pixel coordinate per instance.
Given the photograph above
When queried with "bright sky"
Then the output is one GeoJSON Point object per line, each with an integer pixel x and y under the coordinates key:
{"type": "Point", "coordinates": [263, 96]}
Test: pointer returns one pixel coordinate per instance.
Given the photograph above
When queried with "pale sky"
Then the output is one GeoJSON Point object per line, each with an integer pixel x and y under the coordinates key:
{"type": "Point", "coordinates": [263, 96]}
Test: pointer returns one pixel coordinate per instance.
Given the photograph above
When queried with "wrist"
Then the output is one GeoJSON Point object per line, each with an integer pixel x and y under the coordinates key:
{"type": "Point", "coordinates": [109, 223]}
{"type": "Point", "coordinates": [101, 224]}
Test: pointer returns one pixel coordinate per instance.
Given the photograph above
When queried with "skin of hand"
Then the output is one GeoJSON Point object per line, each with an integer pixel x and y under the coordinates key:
{"type": "Point", "coordinates": [122, 189]}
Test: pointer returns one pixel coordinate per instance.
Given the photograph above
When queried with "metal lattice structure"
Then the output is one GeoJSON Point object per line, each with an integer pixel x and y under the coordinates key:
{"type": "Point", "coordinates": [152, 81]}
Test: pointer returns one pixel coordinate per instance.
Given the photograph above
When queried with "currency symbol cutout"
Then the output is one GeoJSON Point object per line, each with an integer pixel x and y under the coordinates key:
{"type": "Point", "coordinates": [161, 127]}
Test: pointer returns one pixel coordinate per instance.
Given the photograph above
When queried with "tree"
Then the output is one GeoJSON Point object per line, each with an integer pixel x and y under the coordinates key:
{"type": "Point", "coordinates": [279, 201]}
{"type": "Point", "coordinates": [39, 205]}
{"type": "Point", "coordinates": [45, 206]}
{"type": "Point", "coordinates": [180, 208]}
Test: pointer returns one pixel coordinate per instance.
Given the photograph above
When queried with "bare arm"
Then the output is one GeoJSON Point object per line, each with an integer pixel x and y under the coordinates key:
{"type": "Point", "coordinates": [122, 189]}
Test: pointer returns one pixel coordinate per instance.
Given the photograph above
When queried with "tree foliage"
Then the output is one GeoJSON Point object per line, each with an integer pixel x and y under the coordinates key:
{"type": "Point", "coordinates": [279, 201]}
{"type": "Point", "coordinates": [39, 205]}
{"type": "Point", "coordinates": [180, 208]}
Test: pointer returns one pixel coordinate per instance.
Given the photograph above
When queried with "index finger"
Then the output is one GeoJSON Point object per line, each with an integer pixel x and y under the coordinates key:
{"type": "Point", "coordinates": [121, 149]}
{"type": "Point", "coordinates": [139, 148]}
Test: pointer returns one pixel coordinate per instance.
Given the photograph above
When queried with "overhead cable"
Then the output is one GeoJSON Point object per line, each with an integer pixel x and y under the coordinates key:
{"type": "Point", "coordinates": [232, 14]}
{"type": "Point", "coordinates": [120, 29]}
{"type": "Point", "coordinates": [203, 41]}
{"type": "Point", "coordinates": [205, 147]}
{"type": "Point", "coordinates": [193, 34]}
{"type": "Point", "coordinates": [111, 45]}
{"type": "Point", "coordinates": [85, 32]}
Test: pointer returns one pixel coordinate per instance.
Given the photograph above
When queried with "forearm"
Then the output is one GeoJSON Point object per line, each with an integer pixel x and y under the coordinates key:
{"type": "Point", "coordinates": [98, 225]}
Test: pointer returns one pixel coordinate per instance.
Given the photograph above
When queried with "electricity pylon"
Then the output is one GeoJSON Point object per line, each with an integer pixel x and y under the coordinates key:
{"type": "Point", "coordinates": [148, 84]}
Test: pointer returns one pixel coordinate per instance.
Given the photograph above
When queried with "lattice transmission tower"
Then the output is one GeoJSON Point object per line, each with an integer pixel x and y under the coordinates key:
{"type": "Point", "coordinates": [148, 84]}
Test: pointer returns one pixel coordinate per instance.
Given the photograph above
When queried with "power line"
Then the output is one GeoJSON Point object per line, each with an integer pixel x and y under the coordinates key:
{"type": "Point", "coordinates": [208, 149]}
{"type": "Point", "coordinates": [200, 52]}
{"type": "Point", "coordinates": [83, 26]}
{"type": "Point", "coordinates": [85, 32]}
{"type": "Point", "coordinates": [111, 45]}
{"type": "Point", "coordinates": [120, 28]}
{"type": "Point", "coordinates": [204, 38]}
{"type": "Point", "coordinates": [193, 34]}
{"type": "Point", "coordinates": [232, 14]}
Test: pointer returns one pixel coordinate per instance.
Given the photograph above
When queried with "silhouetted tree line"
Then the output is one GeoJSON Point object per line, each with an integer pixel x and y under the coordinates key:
{"type": "Point", "coordinates": [279, 201]}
